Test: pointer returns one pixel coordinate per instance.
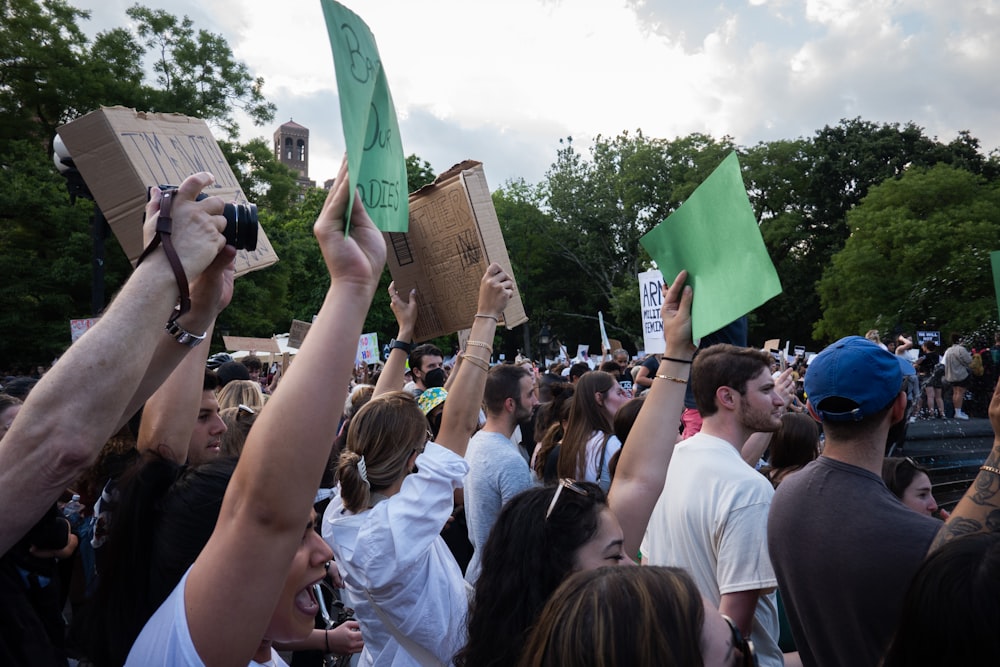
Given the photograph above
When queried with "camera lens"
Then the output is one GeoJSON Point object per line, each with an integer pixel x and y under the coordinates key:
{"type": "Point", "coordinates": [241, 226]}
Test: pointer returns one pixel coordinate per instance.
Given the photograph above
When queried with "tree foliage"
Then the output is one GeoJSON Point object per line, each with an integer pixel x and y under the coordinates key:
{"type": "Point", "coordinates": [917, 256]}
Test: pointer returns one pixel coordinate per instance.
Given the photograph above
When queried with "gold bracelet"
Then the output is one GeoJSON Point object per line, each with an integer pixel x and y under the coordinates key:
{"type": "Point", "coordinates": [992, 469]}
{"type": "Point", "coordinates": [488, 317]}
{"type": "Point", "coordinates": [476, 343]}
{"type": "Point", "coordinates": [477, 362]}
{"type": "Point", "coordinates": [661, 376]}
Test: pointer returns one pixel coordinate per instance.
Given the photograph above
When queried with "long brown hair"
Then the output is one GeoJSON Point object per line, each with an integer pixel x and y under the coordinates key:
{"type": "Point", "coordinates": [586, 416]}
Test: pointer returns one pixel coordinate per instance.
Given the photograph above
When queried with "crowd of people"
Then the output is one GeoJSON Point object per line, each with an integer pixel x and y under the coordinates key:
{"type": "Point", "coordinates": [188, 511]}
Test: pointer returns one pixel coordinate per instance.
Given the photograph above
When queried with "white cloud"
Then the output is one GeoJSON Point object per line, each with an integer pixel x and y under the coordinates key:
{"type": "Point", "coordinates": [501, 82]}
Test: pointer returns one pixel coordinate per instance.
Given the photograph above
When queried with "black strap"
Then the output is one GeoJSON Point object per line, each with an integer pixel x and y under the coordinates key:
{"type": "Point", "coordinates": [164, 228]}
{"type": "Point", "coordinates": [600, 457]}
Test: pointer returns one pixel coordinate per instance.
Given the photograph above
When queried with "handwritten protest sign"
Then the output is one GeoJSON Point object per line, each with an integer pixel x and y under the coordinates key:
{"type": "Point", "coordinates": [297, 333]}
{"type": "Point", "coordinates": [375, 157]}
{"type": "Point", "coordinates": [454, 236]}
{"type": "Point", "coordinates": [714, 235]}
{"type": "Point", "coordinates": [367, 349]}
{"type": "Point", "coordinates": [79, 327]}
{"type": "Point", "coordinates": [651, 298]}
{"type": "Point", "coordinates": [120, 152]}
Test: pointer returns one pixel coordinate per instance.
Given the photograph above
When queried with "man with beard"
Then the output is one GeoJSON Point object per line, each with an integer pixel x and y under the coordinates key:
{"type": "Point", "coordinates": [711, 518]}
{"type": "Point", "coordinates": [497, 469]}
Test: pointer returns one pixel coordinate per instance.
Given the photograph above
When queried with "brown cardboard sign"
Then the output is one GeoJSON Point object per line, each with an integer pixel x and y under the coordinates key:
{"type": "Point", "coordinates": [120, 152]}
{"type": "Point", "coordinates": [297, 333]}
{"type": "Point", "coordinates": [454, 236]}
{"type": "Point", "coordinates": [237, 343]}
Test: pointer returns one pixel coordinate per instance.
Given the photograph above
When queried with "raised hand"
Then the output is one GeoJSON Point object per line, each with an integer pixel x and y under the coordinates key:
{"type": "Point", "coordinates": [197, 227]}
{"type": "Point", "coordinates": [675, 312]}
{"type": "Point", "coordinates": [358, 257]}
{"type": "Point", "coordinates": [495, 289]}
{"type": "Point", "coordinates": [405, 311]}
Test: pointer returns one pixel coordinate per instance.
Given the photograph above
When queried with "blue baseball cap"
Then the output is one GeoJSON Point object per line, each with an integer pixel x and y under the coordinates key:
{"type": "Point", "coordinates": [852, 379]}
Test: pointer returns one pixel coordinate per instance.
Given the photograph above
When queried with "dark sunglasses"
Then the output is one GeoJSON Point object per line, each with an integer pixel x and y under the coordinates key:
{"type": "Point", "coordinates": [742, 643]}
{"type": "Point", "coordinates": [564, 483]}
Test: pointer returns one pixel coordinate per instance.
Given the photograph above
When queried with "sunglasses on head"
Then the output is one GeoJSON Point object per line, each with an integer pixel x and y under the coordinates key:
{"type": "Point", "coordinates": [564, 483]}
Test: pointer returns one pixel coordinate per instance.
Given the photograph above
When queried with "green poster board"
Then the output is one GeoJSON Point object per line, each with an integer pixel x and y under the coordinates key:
{"type": "Point", "coordinates": [375, 157]}
{"type": "Point", "coordinates": [714, 235]}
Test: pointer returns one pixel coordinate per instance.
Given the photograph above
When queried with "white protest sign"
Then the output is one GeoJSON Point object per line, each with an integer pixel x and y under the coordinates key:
{"type": "Point", "coordinates": [583, 352]}
{"type": "Point", "coordinates": [605, 344]}
{"type": "Point", "coordinates": [651, 298]}
{"type": "Point", "coordinates": [79, 327]}
{"type": "Point", "coordinates": [367, 349]}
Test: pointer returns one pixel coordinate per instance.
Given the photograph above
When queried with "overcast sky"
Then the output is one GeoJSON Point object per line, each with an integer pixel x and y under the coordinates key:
{"type": "Point", "coordinates": [501, 82]}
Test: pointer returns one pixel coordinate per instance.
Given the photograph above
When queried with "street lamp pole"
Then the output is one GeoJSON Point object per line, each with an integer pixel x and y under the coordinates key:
{"type": "Point", "coordinates": [77, 187]}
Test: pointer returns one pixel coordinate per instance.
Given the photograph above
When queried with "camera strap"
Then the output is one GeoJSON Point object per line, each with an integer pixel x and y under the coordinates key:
{"type": "Point", "coordinates": [164, 227]}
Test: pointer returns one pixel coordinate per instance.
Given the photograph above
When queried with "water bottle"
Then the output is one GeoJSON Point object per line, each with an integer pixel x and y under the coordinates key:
{"type": "Point", "coordinates": [73, 510]}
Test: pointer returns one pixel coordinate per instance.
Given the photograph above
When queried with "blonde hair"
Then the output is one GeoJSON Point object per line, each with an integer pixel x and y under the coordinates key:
{"type": "Point", "coordinates": [241, 392]}
{"type": "Point", "coordinates": [385, 432]}
{"type": "Point", "coordinates": [238, 422]}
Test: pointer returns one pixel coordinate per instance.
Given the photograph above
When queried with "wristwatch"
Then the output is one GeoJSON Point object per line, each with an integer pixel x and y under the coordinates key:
{"type": "Point", "coordinates": [182, 336]}
{"type": "Point", "coordinates": [400, 345]}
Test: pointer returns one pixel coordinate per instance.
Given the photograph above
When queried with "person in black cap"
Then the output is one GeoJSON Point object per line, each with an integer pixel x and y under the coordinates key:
{"type": "Point", "coordinates": [844, 548]}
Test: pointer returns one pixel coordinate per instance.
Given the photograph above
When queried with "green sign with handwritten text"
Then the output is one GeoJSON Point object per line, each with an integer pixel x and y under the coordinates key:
{"type": "Point", "coordinates": [374, 151]}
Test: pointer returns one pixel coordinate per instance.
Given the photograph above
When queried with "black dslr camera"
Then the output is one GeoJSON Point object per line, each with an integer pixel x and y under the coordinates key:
{"type": "Point", "coordinates": [241, 221]}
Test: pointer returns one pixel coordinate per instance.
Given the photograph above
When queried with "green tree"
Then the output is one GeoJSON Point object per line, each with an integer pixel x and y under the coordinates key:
{"type": "Point", "coordinates": [196, 72]}
{"type": "Point", "coordinates": [49, 75]}
{"type": "Point", "coordinates": [418, 172]}
{"type": "Point", "coordinates": [601, 206]}
{"type": "Point", "coordinates": [918, 250]}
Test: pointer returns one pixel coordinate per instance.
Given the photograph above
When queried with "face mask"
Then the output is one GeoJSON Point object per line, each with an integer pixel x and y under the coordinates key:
{"type": "Point", "coordinates": [434, 378]}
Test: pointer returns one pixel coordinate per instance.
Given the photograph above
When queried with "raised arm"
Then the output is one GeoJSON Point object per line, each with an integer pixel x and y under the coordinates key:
{"type": "Point", "coordinates": [461, 409]}
{"type": "Point", "coordinates": [80, 403]}
{"type": "Point", "coordinates": [266, 510]}
{"type": "Point", "coordinates": [170, 413]}
{"type": "Point", "coordinates": [979, 509]}
{"type": "Point", "coordinates": [642, 468]}
{"type": "Point", "coordinates": [391, 377]}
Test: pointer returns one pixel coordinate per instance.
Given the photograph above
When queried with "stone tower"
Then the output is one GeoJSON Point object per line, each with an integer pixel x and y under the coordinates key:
{"type": "Point", "coordinates": [291, 147]}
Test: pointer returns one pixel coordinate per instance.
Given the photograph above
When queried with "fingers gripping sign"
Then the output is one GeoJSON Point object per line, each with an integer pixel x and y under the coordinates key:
{"type": "Point", "coordinates": [675, 311]}
{"type": "Point", "coordinates": [356, 256]}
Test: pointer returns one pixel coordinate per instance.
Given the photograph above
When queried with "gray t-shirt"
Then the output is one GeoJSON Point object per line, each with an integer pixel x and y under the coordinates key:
{"type": "Point", "coordinates": [497, 473]}
{"type": "Point", "coordinates": [844, 549]}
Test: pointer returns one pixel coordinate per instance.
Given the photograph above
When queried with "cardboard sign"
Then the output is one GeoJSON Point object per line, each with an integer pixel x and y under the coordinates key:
{"type": "Point", "coordinates": [79, 327]}
{"type": "Point", "coordinates": [367, 349]}
{"type": "Point", "coordinates": [651, 298]}
{"type": "Point", "coordinates": [297, 333]}
{"type": "Point", "coordinates": [120, 152]}
{"type": "Point", "coordinates": [253, 344]}
{"type": "Point", "coordinates": [454, 236]}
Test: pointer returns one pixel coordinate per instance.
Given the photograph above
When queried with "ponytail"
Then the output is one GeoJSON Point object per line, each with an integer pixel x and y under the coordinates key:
{"type": "Point", "coordinates": [382, 437]}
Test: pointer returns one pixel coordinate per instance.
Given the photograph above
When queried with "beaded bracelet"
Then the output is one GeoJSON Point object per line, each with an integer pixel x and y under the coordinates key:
{"type": "Point", "coordinates": [661, 376]}
{"type": "Point", "coordinates": [476, 343]}
{"type": "Point", "coordinates": [992, 469]}
{"type": "Point", "coordinates": [477, 362]}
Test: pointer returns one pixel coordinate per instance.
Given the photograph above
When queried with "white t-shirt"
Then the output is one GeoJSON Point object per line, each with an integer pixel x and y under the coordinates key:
{"type": "Point", "coordinates": [711, 520]}
{"type": "Point", "coordinates": [166, 639]}
{"type": "Point", "coordinates": [393, 555]}
{"type": "Point", "coordinates": [593, 450]}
